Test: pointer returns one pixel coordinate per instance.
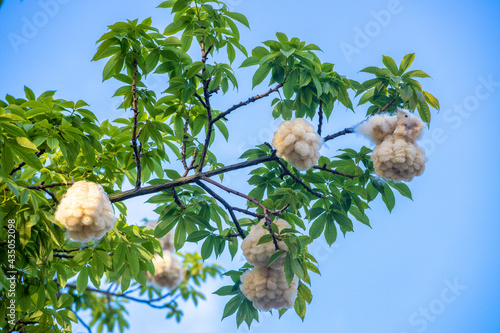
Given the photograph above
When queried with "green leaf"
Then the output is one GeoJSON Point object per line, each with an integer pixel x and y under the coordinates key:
{"type": "Point", "coordinates": [250, 61]}
{"type": "Point", "coordinates": [288, 268]}
{"type": "Point", "coordinates": [82, 280]}
{"type": "Point", "coordinates": [28, 92]}
{"type": "Point", "coordinates": [24, 142]}
{"type": "Point", "coordinates": [390, 64]}
{"type": "Point", "coordinates": [433, 101]}
{"type": "Point", "coordinates": [198, 235]}
{"type": "Point", "coordinates": [366, 96]}
{"type": "Point", "coordinates": [416, 73]}
{"type": "Point", "coordinates": [65, 301]}
{"type": "Point", "coordinates": [330, 232]}
{"type": "Point", "coordinates": [317, 227]}
{"type": "Point", "coordinates": [26, 155]}
{"type": "Point", "coordinates": [300, 307]}
{"type": "Point", "coordinates": [388, 197]}
{"type": "Point", "coordinates": [424, 111]}
{"type": "Point", "coordinates": [231, 306]}
{"type": "Point", "coordinates": [151, 61]}
{"type": "Point", "coordinates": [238, 17]}
{"type": "Point", "coordinates": [194, 69]}
{"type": "Point", "coordinates": [226, 291]}
{"type": "Point", "coordinates": [402, 188]}
{"type": "Point", "coordinates": [405, 63]}
{"type": "Point", "coordinates": [275, 256]}
{"type": "Point", "coordinates": [265, 239]}
{"type": "Point", "coordinates": [12, 129]}
{"type": "Point", "coordinates": [207, 247]}
{"type": "Point", "coordinates": [261, 74]}
{"type": "Point", "coordinates": [374, 70]}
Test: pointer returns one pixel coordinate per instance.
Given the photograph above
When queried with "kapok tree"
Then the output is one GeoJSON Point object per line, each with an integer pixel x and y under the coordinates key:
{"type": "Point", "coordinates": [161, 146]}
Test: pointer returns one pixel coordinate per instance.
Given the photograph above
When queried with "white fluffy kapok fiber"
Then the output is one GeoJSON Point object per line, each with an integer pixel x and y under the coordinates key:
{"type": "Point", "coordinates": [167, 241]}
{"type": "Point", "coordinates": [378, 127]}
{"type": "Point", "coordinates": [85, 211]}
{"type": "Point", "coordinates": [259, 255]}
{"type": "Point", "coordinates": [297, 143]}
{"type": "Point", "coordinates": [396, 155]}
{"type": "Point", "coordinates": [268, 289]}
{"type": "Point", "coordinates": [168, 271]}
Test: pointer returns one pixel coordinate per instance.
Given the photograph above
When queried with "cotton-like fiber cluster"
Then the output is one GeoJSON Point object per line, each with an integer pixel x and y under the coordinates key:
{"type": "Point", "coordinates": [378, 127]}
{"type": "Point", "coordinates": [297, 143]}
{"type": "Point", "coordinates": [167, 241]}
{"type": "Point", "coordinates": [265, 286]}
{"type": "Point", "coordinates": [396, 155]}
{"type": "Point", "coordinates": [85, 211]}
{"type": "Point", "coordinates": [168, 271]}
{"type": "Point", "coordinates": [268, 289]}
{"type": "Point", "coordinates": [259, 255]}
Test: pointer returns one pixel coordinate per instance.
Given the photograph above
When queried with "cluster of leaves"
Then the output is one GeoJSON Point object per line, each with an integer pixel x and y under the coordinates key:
{"type": "Point", "coordinates": [397, 86]}
{"type": "Point", "coordinates": [307, 82]}
{"type": "Point", "coordinates": [47, 143]}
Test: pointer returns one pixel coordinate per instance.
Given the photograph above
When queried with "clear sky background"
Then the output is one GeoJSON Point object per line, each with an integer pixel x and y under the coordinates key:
{"type": "Point", "coordinates": [439, 252]}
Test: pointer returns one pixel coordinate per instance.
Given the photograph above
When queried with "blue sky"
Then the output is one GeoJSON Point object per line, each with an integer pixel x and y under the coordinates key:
{"type": "Point", "coordinates": [438, 252]}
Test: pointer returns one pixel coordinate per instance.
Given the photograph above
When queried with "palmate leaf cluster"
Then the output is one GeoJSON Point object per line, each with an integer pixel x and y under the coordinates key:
{"type": "Point", "coordinates": [46, 140]}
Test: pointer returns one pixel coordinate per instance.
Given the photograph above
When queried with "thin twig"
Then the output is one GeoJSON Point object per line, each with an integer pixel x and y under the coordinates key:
{"type": "Point", "coordinates": [352, 129]}
{"type": "Point", "coordinates": [298, 180]}
{"type": "Point", "coordinates": [324, 168]}
{"type": "Point", "coordinates": [71, 250]}
{"type": "Point", "coordinates": [225, 204]}
{"type": "Point", "coordinates": [345, 131]}
{"type": "Point", "coordinates": [320, 115]}
{"type": "Point", "coordinates": [388, 105]}
{"type": "Point", "coordinates": [177, 200]}
{"type": "Point", "coordinates": [148, 302]}
{"type": "Point", "coordinates": [44, 186]}
{"type": "Point", "coordinates": [206, 95]}
{"type": "Point", "coordinates": [135, 108]}
{"type": "Point", "coordinates": [83, 323]}
{"type": "Point", "coordinates": [248, 101]}
{"type": "Point", "coordinates": [52, 195]}
{"type": "Point", "coordinates": [184, 144]}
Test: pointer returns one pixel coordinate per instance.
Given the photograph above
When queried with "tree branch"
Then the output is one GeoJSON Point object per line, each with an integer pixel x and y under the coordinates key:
{"type": "Point", "coordinates": [44, 186]}
{"type": "Point", "coordinates": [38, 154]}
{"type": "Point", "coordinates": [71, 250]}
{"type": "Point", "coordinates": [298, 180]}
{"type": "Point", "coordinates": [20, 324]}
{"type": "Point", "coordinates": [229, 190]}
{"type": "Point", "coordinates": [206, 95]}
{"type": "Point", "coordinates": [187, 180]}
{"type": "Point", "coordinates": [324, 168]}
{"type": "Point", "coordinates": [320, 115]}
{"type": "Point", "coordinates": [248, 101]}
{"type": "Point", "coordinates": [52, 195]}
{"type": "Point", "coordinates": [345, 131]}
{"type": "Point", "coordinates": [225, 204]}
{"type": "Point", "coordinates": [135, 108]}
{"type": "Point", "coordinates": [192, 165]}
{"type": "Point", "coordinates": [111, 294]}
{"type": "Point", "coordinates": [352, 129]}
{"type": "Point", "coordinates": [184, 144]}
{"type": "Point", "coordinates": [177, 200]}
{"type": "Point", "coordinates": [83, 323]}
{"type": "Point", "coordinates": [388, 105]}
